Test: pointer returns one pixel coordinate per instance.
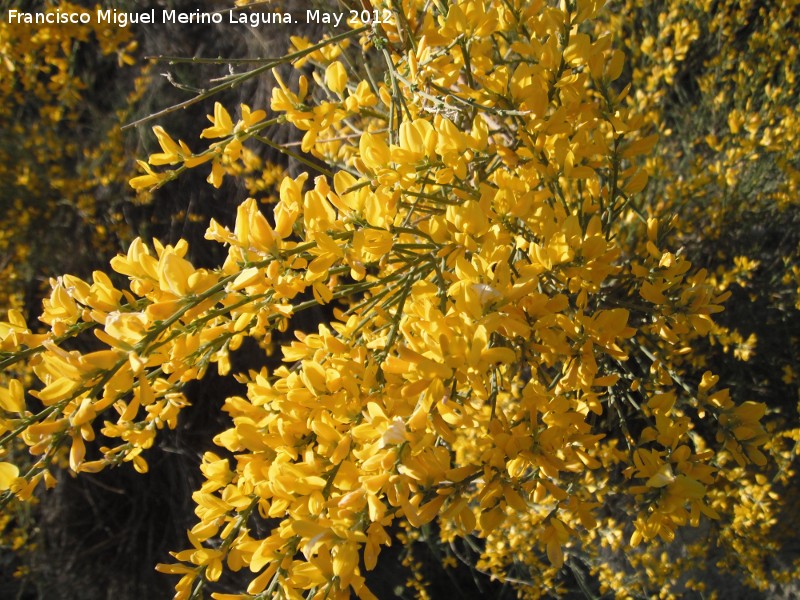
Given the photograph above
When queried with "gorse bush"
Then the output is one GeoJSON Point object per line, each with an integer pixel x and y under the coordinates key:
{"type": "Point", "coordinates": [517, 365]}
{"type": "Point", "coordinates": [718, 80]}
{"type": "Point", "coordinates": [55, 191]}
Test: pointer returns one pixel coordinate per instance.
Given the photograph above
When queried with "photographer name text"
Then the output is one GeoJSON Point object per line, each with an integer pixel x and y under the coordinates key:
{"type": "Point", "coordinates": [197, 17]}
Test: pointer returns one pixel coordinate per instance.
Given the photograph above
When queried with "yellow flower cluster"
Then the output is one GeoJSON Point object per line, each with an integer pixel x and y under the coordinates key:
{"type": "Point", "coordinates": [222, 155]}
{"type": "Point", "coordinates": [511, 344]}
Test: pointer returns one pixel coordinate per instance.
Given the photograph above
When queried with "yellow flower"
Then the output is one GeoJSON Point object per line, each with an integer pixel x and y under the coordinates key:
{"type": "Point", "coordinates": [151, 179]}
{"type": "Point", "coordinates": [221, 123]}
{"type": "Point", "coordinates": [336, 77]}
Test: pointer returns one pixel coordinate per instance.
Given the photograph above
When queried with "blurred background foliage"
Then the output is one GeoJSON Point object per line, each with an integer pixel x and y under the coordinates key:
{"type": "Point", "coordinates": [716, 80]}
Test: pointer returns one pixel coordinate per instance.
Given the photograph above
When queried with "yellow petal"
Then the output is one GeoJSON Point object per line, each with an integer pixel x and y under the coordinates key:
{"type": "Point", "coordinates": [336, 77]}
{"type": "Point", "coordinates": [662, 477]}
{"type": "Point", "coordinates": [8, 473]}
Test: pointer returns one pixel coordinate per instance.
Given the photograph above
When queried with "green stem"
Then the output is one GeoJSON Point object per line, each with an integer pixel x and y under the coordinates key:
{"type": "Point", "coordinates": [246, 76]}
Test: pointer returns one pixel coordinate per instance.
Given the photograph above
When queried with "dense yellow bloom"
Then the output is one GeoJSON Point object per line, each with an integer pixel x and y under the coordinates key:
{"type": "Point", "coordinates": [515, 340]}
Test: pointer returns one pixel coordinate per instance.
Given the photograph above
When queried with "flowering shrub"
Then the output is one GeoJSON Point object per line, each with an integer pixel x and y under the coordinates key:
{"type": "Point", "coordinates": [719, 85]}
{"type": "Point", "coordinates": [511, 369]}
{"type": "Point", "coordinates": [56, 192]}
